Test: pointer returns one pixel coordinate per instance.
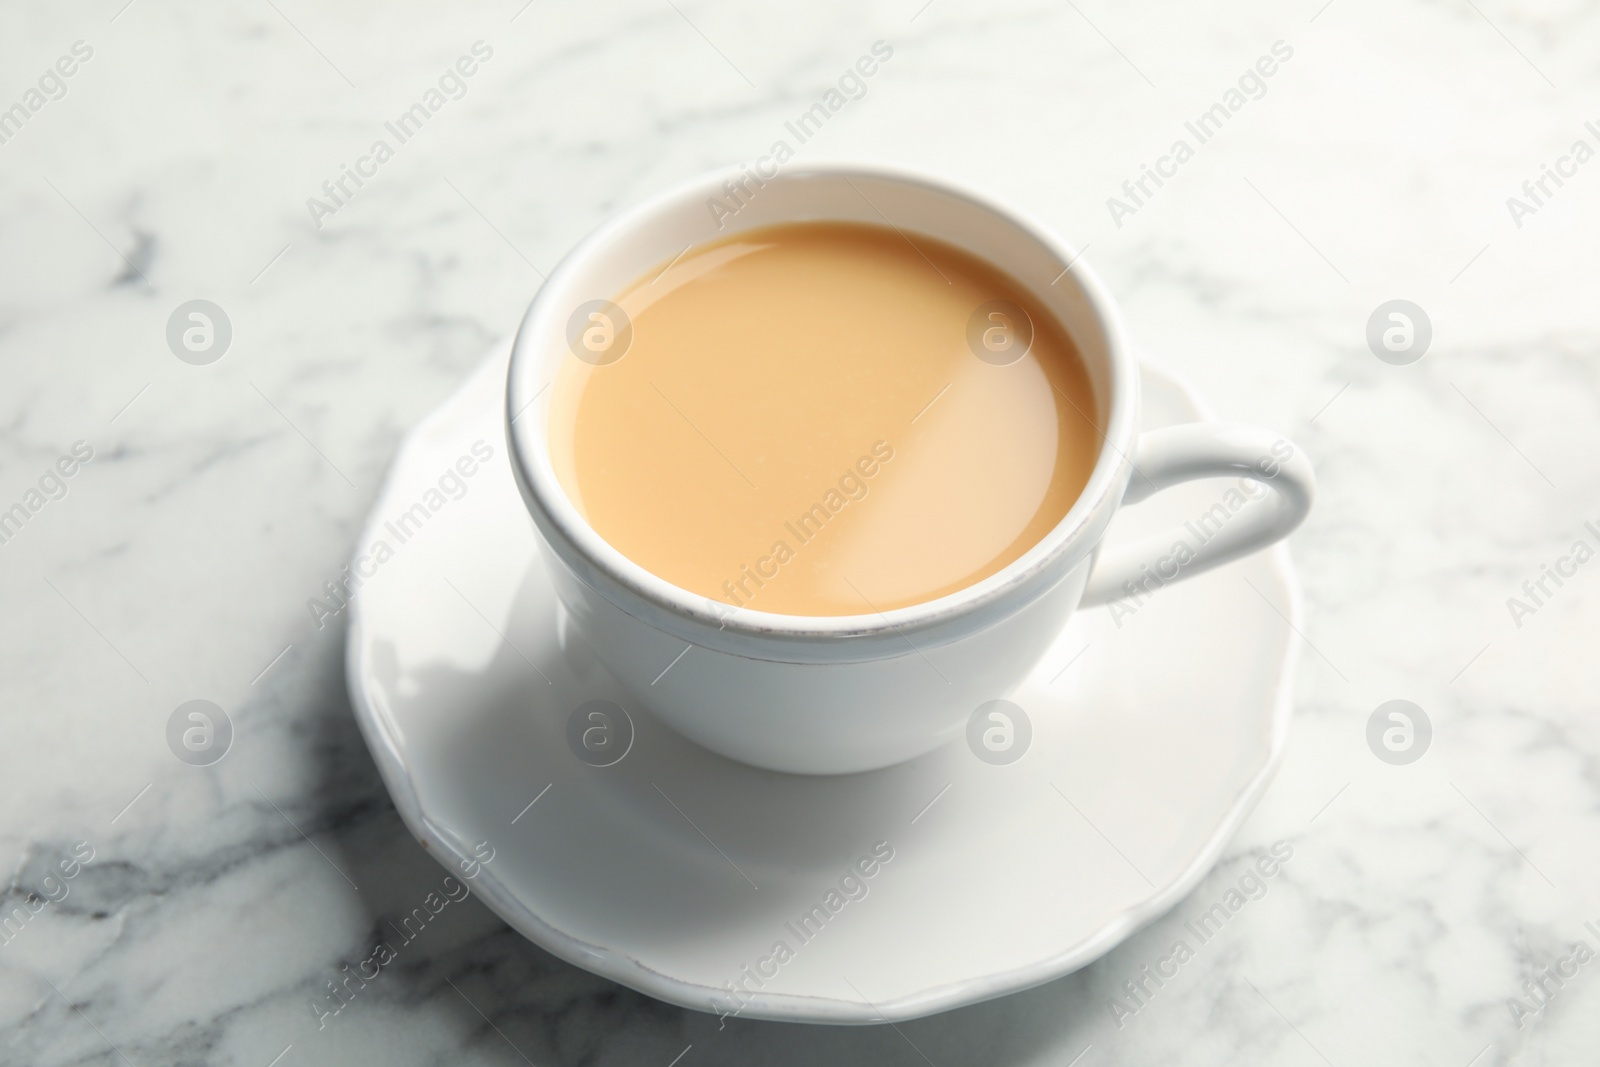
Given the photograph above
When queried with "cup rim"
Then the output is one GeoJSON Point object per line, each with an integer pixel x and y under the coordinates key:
{"type": "Point", "coordinates": [640, 592]}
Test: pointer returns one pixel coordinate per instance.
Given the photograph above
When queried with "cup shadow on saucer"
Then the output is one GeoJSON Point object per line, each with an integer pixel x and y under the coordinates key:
{"type": "Point", "coordinates": [486, 983]}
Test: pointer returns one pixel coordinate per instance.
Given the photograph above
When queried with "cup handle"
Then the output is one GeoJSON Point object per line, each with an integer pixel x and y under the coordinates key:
{"type": "Point", "coordinates": [1229, 529]}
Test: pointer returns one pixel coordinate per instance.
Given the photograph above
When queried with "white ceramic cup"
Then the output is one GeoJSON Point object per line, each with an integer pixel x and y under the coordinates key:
{"type": "Point", "coordinates": [828, 695]}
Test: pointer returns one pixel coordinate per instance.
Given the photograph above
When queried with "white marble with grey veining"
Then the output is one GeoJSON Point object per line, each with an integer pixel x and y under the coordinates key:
{"type": "Point", "coordinates": [176, 162]}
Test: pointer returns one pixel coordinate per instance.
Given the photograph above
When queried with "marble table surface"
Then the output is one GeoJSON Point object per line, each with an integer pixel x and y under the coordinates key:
{"type": "Point", "coordinates": [1435, 912]}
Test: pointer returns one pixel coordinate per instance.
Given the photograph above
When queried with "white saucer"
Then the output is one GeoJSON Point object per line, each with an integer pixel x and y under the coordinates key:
{"type": "Point", "coordinates": [675, 871]}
